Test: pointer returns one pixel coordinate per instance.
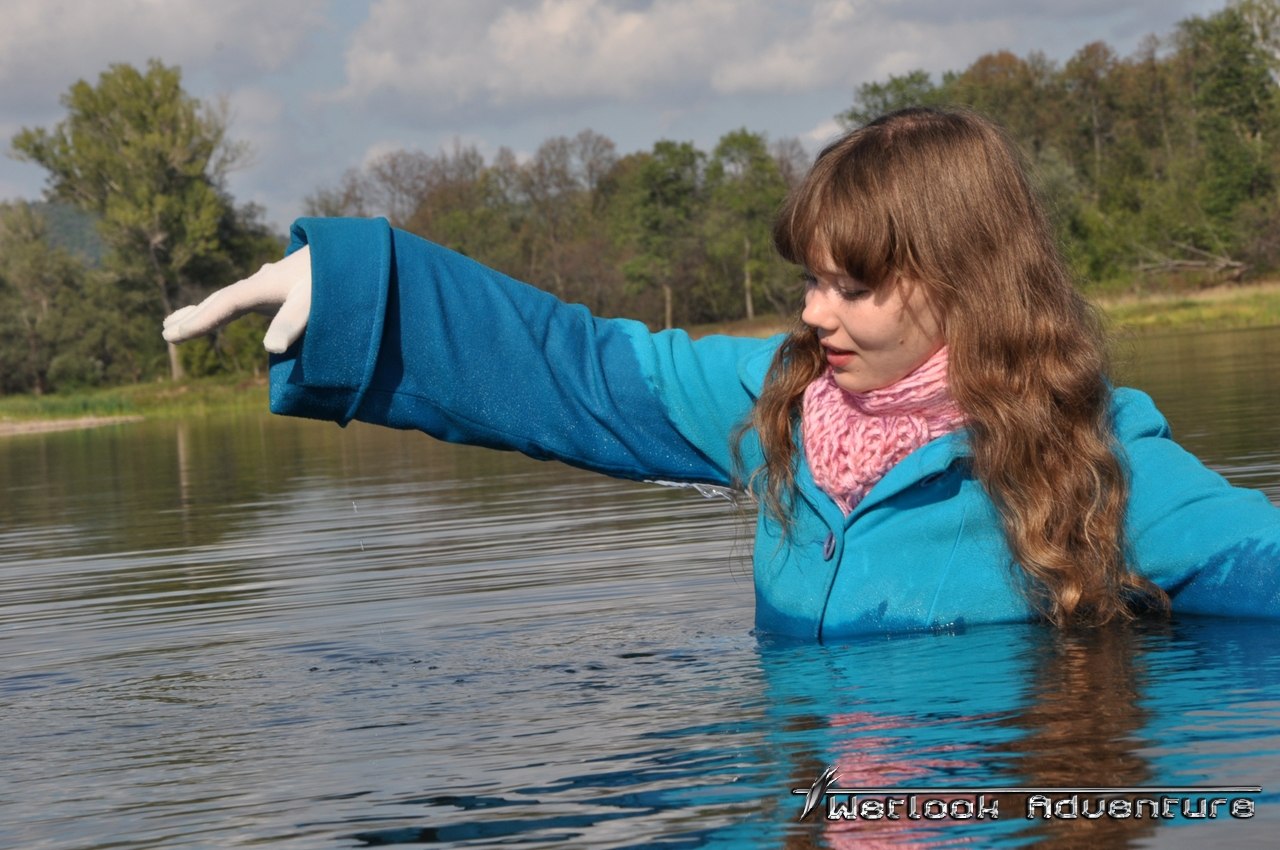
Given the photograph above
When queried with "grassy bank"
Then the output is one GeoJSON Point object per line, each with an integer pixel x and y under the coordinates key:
{"type": "Point", "coordinates": [1252, 305]}
{"type": "Point", "coordinates": [1220, 308]}
{"type": "Point", "coordinates": [160, 398]}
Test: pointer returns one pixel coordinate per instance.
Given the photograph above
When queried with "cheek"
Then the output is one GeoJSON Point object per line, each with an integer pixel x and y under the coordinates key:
{"type": "Point", "coordinates": [887, 333]}
{"type": "Point", "coordinates": [922, 339]}
{"type": "Point", "coordinates": [922, 342]}
{"type": "Point", "coordinates": [917, 331]}
{"type": "Point", "coordinates": [914, 347]}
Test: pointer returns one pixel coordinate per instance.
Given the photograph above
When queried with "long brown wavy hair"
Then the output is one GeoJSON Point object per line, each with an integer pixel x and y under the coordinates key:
{"type": "Point", "coordinates": [942, 199]}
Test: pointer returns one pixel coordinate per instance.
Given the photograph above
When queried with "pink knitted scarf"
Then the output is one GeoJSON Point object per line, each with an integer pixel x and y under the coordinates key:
{"type": "Point", "coordinates": [852, 439]}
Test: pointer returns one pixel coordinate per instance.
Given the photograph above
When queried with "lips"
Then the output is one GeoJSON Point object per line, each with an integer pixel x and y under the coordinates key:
{"type": "Point", "coordinates": [838, 358]}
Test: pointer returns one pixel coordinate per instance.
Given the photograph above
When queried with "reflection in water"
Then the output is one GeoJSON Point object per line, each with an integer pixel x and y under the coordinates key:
{"type": "Point", "coordinates": [252, 630]}
{"type": "Point", "coordinates": [1220, 394]}
{"type": "Point", "coordinates": [1068, 710]}
{"type": "Point", "coordinates": [1083, 727]}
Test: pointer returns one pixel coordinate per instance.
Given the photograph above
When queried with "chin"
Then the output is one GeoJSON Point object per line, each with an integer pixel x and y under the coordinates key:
{"type": "Point", "coordinates": [856, 386]}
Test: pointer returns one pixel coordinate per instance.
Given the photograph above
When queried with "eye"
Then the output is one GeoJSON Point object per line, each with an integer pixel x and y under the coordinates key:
{"type": "Point", "coordinates": [854, 293]}
{"type": "Point", "coordinates": [808, 279]}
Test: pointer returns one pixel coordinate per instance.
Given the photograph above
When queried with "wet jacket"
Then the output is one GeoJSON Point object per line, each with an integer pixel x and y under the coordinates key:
{"type": "Point", "coordinates": [408, 334]}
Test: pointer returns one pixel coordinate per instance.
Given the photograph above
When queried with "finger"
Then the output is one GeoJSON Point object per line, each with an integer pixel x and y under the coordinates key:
{"type": "Point", "coordinates": [265, 291]}
{"type": "Point", "coordinates": [291, 321]}
{"type": "Point", "coordinates": [178, 315]}
{"type": "Point", "coordinates": [216, 310]}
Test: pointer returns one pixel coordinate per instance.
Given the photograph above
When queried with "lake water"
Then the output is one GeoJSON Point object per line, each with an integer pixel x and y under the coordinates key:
{"type": "Point", "coordinates": [251, 631]}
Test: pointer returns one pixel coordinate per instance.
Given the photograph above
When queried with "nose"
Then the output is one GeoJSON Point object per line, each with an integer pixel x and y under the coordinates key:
{"type": "Point", "coordinates": [817, 312]}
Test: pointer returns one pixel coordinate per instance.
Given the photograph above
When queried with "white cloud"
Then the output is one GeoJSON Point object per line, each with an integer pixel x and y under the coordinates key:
{"type": "Point", "coordinates": [496, 58]}
{"type": "Point", "coordinates": [46, 46]}
{"type": "Point", "coordinates": [497, 55]}
{"type": "Point", "coordinates": [822, 134]}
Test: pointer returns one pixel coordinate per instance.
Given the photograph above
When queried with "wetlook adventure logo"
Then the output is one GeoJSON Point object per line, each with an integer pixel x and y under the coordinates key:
{"type": "Point", "coordinates": [961, 804]}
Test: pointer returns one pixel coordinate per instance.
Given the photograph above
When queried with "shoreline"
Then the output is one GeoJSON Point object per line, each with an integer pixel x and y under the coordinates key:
{"type": "Point", "coordinates": [1126, 315]}
{"type": "Point", "coordinates": [1210, 308]}
{"type": "Point", "coordinates": [1228, 307]}
{"type": "Point", "coordinates": [14, 427]}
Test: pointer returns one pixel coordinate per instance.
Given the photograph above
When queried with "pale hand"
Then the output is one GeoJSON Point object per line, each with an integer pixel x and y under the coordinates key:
{"type": "Point", "coordinates": [282, 288]}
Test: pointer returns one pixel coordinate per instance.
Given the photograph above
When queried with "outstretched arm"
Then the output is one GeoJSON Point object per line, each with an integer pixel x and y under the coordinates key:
{"type": "Point", "coordinates": [405, 333]}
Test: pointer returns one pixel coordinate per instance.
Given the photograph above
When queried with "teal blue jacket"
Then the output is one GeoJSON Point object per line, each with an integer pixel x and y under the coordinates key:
{"type": "Point", "coordinates": [408, 334]}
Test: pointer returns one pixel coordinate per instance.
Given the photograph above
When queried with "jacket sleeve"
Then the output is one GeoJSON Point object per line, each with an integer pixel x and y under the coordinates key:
{"type": "Point", "coordinates": [408, 334]}
{"type": "Point", "coordinates": [1214, 548]}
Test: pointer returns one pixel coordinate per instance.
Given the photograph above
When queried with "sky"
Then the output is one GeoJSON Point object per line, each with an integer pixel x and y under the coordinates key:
{"type": "Point", "coordinates": [316, 87]}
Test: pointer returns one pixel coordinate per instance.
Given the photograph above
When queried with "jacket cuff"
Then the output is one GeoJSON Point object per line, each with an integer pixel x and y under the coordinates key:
{"type": "Point", "coordinates": [327, 372]}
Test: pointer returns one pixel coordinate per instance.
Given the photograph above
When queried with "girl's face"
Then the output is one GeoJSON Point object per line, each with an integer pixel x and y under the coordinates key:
{"type": "Point", "coordinates": [871, 339]}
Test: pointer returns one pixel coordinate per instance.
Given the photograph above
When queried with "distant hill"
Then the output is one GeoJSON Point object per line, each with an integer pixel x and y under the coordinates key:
{"type": "Point", "coordinates": [73, 230]}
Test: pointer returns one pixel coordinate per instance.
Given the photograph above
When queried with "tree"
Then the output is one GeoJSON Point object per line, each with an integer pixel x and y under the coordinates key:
{"type": "Point", "coordinates": [1235, 100]}
{"type": "Point", "coordinates": [468, 205]}
{"type": "Point", "coordinates": [745, 189]}
{"type": "Point", "coordinates": [37, 284]}
{"type": "Point", "coordinates": [1088, 76]}
{"type": "Point", "coordinates": [915, 88]}
{"type": "Point", "coordinates": [150, 161]}
{"type": "Point", "coordinates": [558, 185]}
{"type": "Point", "coordinates": [349, 198]}
{"type": "Point", "coordinates": [1022, 94]}
{"type": "Point", "coordinates": [660, 210]}
{"type": "Point", "coordinates": [1262, 17]}
{"type": "Point", "coordinates": [568, 235]}
{"type": "Point", "coordinates": [792, 160]}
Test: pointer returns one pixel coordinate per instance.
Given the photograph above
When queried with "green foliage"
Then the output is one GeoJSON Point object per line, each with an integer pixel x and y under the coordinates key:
{"type": "Point", "coordinates": [1022, 94]}
{"type": "Point", "coordinates": [74, 230]}
{"type": "Point", "coordinates": [1234, 96]}
{"type": "Point", "coordinates": [39, 284]}
{"type": "Point", "coordinates": [145, 157]}
{"type": "Point", "coordinates": [109, 338]}
{"type": "Point", "coordinates": [149, 162]}
{"type": "Point", "coordinates": [745, 187]}
{"type": "Point", "coordinates": [871, 100]}
{"type": "Point", "coordinates": [664, 201]}
{"type": "Point", "coordinates": [1162, 163]}
{"type": "Point", "coordinates": [194, 397]}
{"type": "Point", "coordinates": [1160, 167]}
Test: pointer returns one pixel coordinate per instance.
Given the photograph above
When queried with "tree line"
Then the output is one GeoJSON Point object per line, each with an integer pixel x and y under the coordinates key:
{"type": "Point", "coordinates": [1161, 166]}
{"type": "Point", "coordinates": [1161, 169]}
{"type": "Point", "coordinates": [673, 235]}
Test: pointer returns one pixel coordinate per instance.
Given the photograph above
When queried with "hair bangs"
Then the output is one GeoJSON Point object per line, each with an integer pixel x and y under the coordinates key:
{"type": "Point", "coordinates": [838, 212]}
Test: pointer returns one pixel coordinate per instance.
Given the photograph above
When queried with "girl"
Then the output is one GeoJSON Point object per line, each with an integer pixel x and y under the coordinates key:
{"type": "Point", "coordinates": [935, 444]}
